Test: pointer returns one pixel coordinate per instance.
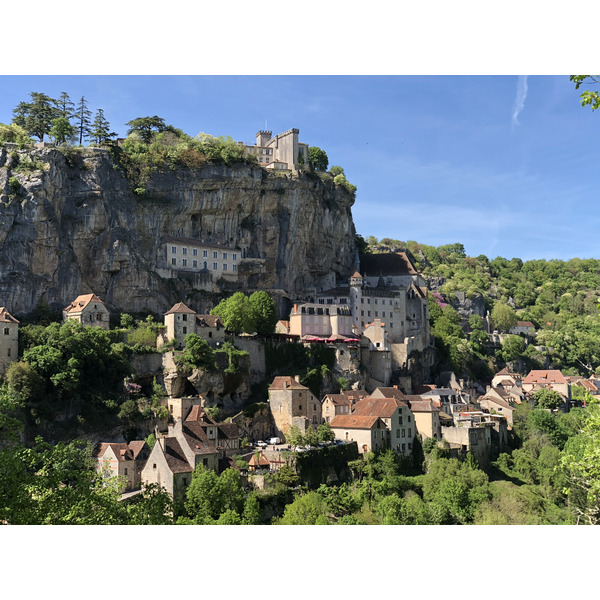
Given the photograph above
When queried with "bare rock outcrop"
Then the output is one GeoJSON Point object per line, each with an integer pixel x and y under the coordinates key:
{"type": "Point", "coordinates": [71, 224]}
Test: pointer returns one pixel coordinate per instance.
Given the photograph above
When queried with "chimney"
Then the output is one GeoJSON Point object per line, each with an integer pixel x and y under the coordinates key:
{"type": "Point", "coordinates": [161, 441]}
{"type": "Point", "coordinates": [297, 378]}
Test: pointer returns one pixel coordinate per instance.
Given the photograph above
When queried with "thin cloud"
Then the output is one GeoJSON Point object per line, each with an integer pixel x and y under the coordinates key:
{"type": "Point", "coordinates": [520, 99]}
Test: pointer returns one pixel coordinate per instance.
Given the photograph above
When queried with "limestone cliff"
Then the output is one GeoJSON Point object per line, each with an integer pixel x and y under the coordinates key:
{"type": "Point", "coordinates": [71, 224]}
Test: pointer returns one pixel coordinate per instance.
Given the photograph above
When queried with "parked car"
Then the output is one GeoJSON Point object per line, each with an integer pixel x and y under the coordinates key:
{"type": "Point", "coordinates": [261, 444]}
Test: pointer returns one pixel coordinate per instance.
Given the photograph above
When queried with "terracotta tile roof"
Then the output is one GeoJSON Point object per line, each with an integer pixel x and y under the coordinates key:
{"type": "Point", "coordinates": [354, 421]}
{"type": "Point", "coordinates": [388, 264]}
{"type": "Point", "coordinates": [197, 413]}
{"type": "Point", "coordinates": [175, 457]}
{"type": "Point", "coordinates": [229, 430]}
{"type": "Point", "coordinates": [379, 407]}
{"type": "Point", "coordinates": [180, 307]}
{"type": "Point", "coordinates": [525, 324]}
{"type": "Point", "coordinates": [356, 274]}
{"type": "Point", "coordinates": [355, 394]}
{"type": "Point", "coordinates": [420, 405]}
{"type": "Point", "coordinates": [389, 392]}
{"type": "Point", "coordinates": [498, 401]}
{"type": "Point", "coordinates": [209, 321]}
{"type": "Point", "coordinates": [545, 377]}
{"type": "Point", "coordinates": [196, 438]}
{"type": "Point", "coordinates": [6, 317]}
{"type": "Point", "coordinates": [120, 449]}
{"type": "Point", "coordinates": [338, 399]}
{"type": "Point", "coordinates": [291, 383]}
{"type": "Point", "coordinates": [81, 302]}
{"type": "Point", "coordinates": [507, 371]}
{"type": "Point", "coordinates": [136, 446]}
{"type": "Point", "coordinates": [262, 461]}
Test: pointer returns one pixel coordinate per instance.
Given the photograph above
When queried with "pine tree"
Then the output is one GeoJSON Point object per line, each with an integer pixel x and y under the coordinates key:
{"type": "Point", "coordinates": [100, 131]}
{"type": "Point", "coordinates": [83, 115]}
{"type": "Point", "coordinates": [36, 116]}
{"type": "Point", "coordinates": [65, 106]}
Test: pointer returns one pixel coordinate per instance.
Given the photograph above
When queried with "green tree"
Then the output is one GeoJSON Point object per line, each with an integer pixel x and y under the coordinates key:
{"type": "Point", "coordinates": [83, 117]}
{"type": "Point", "coordinates": [65, 106]}
{"type": "Point", "coordinates": [294, 437]}
{"type": "Point", "coordinates": [318, 158]}
{"type": "Point", "coordinates": [36, 116]}
{"type": "Point", "coordinates": [311, 437]}
{"type": "Point", "coordinates": [197, 353]}
{"type": "Point", "coordinates": [324, 433]}
{"type": "Point", "coordinates": [547, 398]}
{"type": "Point", "coordinates": [236, 313]}
{"type": "Point", "coordinates": [587, 98]}
{"type": "Point", "coordinates": [61, 130]}
{"type": "Point", "coordinates": [503, 316]}
{"type": "Point", "coordinates": [263, 311]}
{"type": "Point", "coordinates": [513, 347]}
{"type": "Point", "coordinates": [307, 509]}
{"type": "Point", "coordinates": [100, 132]}
{"type": "Point", "coordinates": [147, 127]}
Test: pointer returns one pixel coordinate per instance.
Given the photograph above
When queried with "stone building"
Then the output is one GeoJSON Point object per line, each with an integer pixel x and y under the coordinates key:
{"type": "Point", "coordinates": [9, 339]}
{"type": "Point", "coordinates": [123, 460]}
{"type": "Point", "coordinates": [389, 288]}
{"type": "Point", "coordinates": [291, 404]}
{"type": "Point", "coordinates": [197, 440]}
{"type": "Point", "coordinates": [317, 321]}
{"type": "Point", "coordinates": [181, 320]}
{"type": "Point", "coordinates": [282, 152]}
{"type": "Point", "coordinates": [203, 261]}
{"type": "Point", "coordinates": [368, 431]}
{"type": "Point", "coordinates": [88, 310]}
{"type": "Point", "coordinates": [340, 404]}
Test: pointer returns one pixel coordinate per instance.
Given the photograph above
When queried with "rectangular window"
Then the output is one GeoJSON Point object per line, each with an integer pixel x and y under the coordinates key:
{"type": "Point", "coordinates": [375, 300]}
{"type": "Point", "coordinates": [184, 251]}
{"type": "Point", "coordinates": [205, 253]}
{"type": "Point", "coordinates": [184, 262]}
{"type": "Point", "coordinates": [376, 314]}
{"type": "Point", "coordinates": [409, 432]}
{"type": "Point", "coordinates": [6, 331]}
{"type": "Point", "coordinates": [173, 249]}
{"type": "Point", "coordinates": [9, 352]}
{"type": "Point", "coordinates": [403, 447]}
{"type": "Point", "coordinates": [125, 471]}
{"type": "Point", "coordinates": [400, 420]}
{"type": "Point", "coordinates": [224, 266]}
{"type": "Point", "coordinates": [195, 264]}
{"type": "Point", "coordinates": [173, 261]}
{"type": "Point", "coordinates": [215, 255]}
{"type": "Point", "coordinates": [397, 433]}
{"type": "Point", "coordinates": [234, 256]}
{"type": "Point", "coordinates": [224, 255]}
{"type": "Point", "coordinates": [195, 251]}
{"type": "Point", "coordinates": [409, 445]}
{"type": "Point", "coordinates": [404, 433]}
{"type": "Point", "coordinates": [215, 266]}
{"type": "Point", "coordinates": [234, 267]}
{"type": "Point", "coordinates": [391, 326]}
{"type": "Point", "coordinates": [299, 406]}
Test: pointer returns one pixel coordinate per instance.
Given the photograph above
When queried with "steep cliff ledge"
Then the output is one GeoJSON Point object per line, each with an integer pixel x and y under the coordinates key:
{"type": "Point", "coordinates": [70, 223]}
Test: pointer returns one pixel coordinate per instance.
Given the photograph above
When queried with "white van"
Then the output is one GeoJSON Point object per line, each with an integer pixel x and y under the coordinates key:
{"type": "Point", "coordinates": [274, 440]}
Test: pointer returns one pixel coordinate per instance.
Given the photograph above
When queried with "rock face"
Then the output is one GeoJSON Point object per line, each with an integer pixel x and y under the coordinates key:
{"type": "Point", "coordinates": [72, 224]}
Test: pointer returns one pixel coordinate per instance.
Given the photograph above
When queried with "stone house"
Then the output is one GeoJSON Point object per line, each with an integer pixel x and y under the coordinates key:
{"type": "Point", "coordinates": [507, 378]}
{"type": "Point", "coordinates": [446, 399]}
{"type": "Point", "coordinates": [291, 403]}
{"type": "Point", "coordinates": [180, 321]}
{"type": "Point", "coordinates": [123, 460]}
{"type": "Point", "coordinates": [89, 311]}
{"type": "Point", "coordinates": [197, 440]}
{"type": "Point", "coordinates": [467, 437]}
{"type": "Point", "coordinates": [9, 339]}
{"type": "Point", "coordinates": [426, 415]}
{"type": "Point", "coordinates": [498, 404]}
{"type": "Point", "coordinates": [526, 328]}
{"type": "Point", "coordinates": [179, 408]}
{"type": "Point", "coordinates": [368, 431]}
{"type": "Point", "coordinates": [397, 418]}
{"type": "Point", "coordinates": [340, 404]}
{"type": "Point", "coordinates": [547, 378]}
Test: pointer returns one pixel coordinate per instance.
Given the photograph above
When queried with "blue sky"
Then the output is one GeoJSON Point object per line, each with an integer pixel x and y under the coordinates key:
{"type": "Point", "coordinates": [504, 164]}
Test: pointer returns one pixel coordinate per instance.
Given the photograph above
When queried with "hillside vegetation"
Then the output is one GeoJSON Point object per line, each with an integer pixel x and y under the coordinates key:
{"type": "Point", "coordinates": [559, 297]}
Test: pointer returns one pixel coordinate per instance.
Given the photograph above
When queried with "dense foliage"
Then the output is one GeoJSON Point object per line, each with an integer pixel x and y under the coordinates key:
{"type": "Point", "coordinates": [247, 314]}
